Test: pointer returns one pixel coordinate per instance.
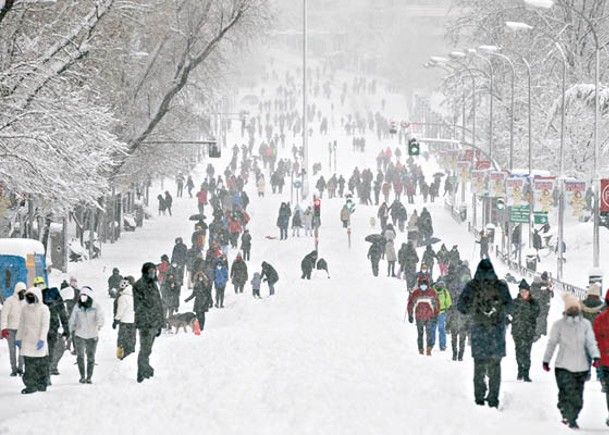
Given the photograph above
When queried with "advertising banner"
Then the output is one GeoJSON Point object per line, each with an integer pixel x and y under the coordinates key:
{"type": "Point", "coordinates": [575, 198]}
{"type": "Point", "coordinates": [496, 183]}
{"type": "Point", "coordinates": [478, 185]}
{"type": "Point", "coordinates": [543, 191]}
{"type": "Point", "coordinates": [515, 194]}
{"type": "Point", "coordinates": [463, 171]}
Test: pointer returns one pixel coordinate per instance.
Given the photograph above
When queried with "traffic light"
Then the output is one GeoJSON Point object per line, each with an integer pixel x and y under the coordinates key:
{"type": "Point", "coordinates": [317, 207]}
{"type": "Point", "coordinates": [214, 151]}
{"type": "Point", "coordinates": [413, 147]}
{"type": "Point", "coordinates": [500, 203]}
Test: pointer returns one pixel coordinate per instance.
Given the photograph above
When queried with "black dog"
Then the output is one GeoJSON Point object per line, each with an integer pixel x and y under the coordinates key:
{"type": "Point", "coordinates": [323, 265]}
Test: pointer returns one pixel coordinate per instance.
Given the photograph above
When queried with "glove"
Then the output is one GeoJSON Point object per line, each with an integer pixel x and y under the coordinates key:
{"type": "Point", "coordinates": [546, 366]}
{"type": "Point", "coordinates": [40, 344]}
{"type": "Point", "coordinates": [158, 332]}
{"type": "Point", "coordinates": [596, 362]}
{"type": "Point", "coordinates": [18, 343]}
{"type": "Point", "coordinates": [410, 319]}
{"type": "Point", "coordinates": [5, 333]}
{"type": "Point", "coordinates": [115, 324]}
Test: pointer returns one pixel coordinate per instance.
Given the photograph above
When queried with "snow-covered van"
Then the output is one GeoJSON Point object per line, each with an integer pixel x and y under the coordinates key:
{"type": "Point", "coordinates": [20, 260]}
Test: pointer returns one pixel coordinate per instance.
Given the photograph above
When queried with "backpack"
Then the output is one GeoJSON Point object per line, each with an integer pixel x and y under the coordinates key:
{"type": "Point", "coordinates": [487, 306]}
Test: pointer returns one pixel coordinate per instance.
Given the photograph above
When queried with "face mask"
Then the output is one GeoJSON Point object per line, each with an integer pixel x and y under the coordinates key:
{"type": "Point", "coordinates": [83, 298]}
{"type": "Point", "coordinates": [219, 267]}
{"type": "Point", "coordinates": [423, 287]}
{"type": "Point", "coordinates": [151, 274]}
{"type": "Point", "coordinates": [21, 296]}
{"type": "Point", "coordinates": [40, 286]}
{"type": "Point", "coordinates": [200, 279]}
{"type": "Point", "coordinates": [30, 298]}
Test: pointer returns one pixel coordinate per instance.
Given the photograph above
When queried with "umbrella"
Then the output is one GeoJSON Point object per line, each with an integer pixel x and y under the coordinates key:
{"type": "Point", "coordinates": [439, 174]}
{"type": "Point", "coordinates": [197, 217]}
{"type": "Point", "coordinates": [374, 238]}
{"type": "Point", "coordinates": [434, 240]}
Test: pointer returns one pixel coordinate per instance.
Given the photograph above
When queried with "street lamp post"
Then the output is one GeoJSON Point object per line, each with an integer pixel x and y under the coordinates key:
{"type": "Point", "coordinates": [595, 175]}
{"type": "Point", "coordinates": [305, 115]}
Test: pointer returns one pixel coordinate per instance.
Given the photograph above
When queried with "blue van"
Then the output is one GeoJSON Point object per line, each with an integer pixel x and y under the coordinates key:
{"type": "Point", "coordinates": [20, 260]}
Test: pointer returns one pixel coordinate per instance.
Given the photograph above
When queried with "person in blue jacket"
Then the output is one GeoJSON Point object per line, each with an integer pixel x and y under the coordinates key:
{"type": "Point", "coordinates": [220, 280]}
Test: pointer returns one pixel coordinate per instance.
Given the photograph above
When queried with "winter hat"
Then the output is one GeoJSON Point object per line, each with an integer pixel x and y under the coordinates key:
{"type": "Point", "coordinates": [524, 285]}
{"type": "Point", "coordinates": [147, 266]}
{"type": "Point", "coordinates": [87, 291]}
{"type": "Point", "coordinates": [115, 270]}
{"type": "Point", "coordinates": [19, 287]}
{"type": "Point", "coordinates": [64, 284]}
{"type": "Point", "coordinates": [544, 276]}
{"type": "Point", "coordinates": [423, 280]}
{"type": "Point", "coordinates": [73, 281]}
{"type": "Point", "coordinates": [594, 289]}
{"type": "Point", "coordinates": [570, 301]}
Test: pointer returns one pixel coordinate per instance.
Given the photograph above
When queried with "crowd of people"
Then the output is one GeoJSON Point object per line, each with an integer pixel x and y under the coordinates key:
{"type": "Point", "coordinates": [40, 323]}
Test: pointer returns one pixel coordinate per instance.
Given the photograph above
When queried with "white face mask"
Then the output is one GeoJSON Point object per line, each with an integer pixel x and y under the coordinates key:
{"type": "Point", "coordinates": [84, 298]}
{"type": "Point", "coordinates": [423, 287]}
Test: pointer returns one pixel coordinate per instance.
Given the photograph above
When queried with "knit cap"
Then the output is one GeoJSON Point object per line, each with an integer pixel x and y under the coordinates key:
{"type": "Point", "coordinates": [570, 301]}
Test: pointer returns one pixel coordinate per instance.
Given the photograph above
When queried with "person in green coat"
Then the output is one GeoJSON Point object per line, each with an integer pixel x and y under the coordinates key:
{"type": "Point", "coordinates": [524, 320]}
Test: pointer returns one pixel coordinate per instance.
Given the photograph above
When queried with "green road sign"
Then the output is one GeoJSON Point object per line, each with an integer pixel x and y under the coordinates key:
{"type": "Point", "coordinates": [519, 214]}
{"type": "Point", "coordinates": [540, 217]}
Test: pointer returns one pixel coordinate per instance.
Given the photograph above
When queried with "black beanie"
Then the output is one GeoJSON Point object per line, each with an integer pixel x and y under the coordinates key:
{"type": "Point", "coordinates": [524, 285]}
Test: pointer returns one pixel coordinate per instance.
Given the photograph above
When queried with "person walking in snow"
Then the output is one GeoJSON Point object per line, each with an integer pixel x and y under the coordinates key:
{"type": "Point", "coordinates": [201, 292]}
{"type": "Point", "coordinates": [255, 282]}
{"type": "Point", "coordinates": [601, 332]}
{"type": "Point", "coordinates": [9, 323]}
{"type": "Point", "coordinates": [524, 318]}
{"type": "Point", "coordinates": [445, 305]}
{"type": "Point", "coordinates": [124, 318]}
{"type": "Point", "coordinates": [149, 320]}
{"type": "Point", "coordinates": [374, 255]}
{"type": "Point", "coordinates": [457, 323]}
{"type": "Point", "coordinates": [575, 339]}
{"type": "Point", "coordinates": [31, 339]}
{"type": "Point", "coordinates": [85, 322]}
{"type": "Point", "coordinates": [541, 289]}
{"type": "Point", "coordinates": [487, 300]}
{"type": "Point", "coordinates": [424, 307]}
{"type": "Point", "coordinates": [238, 273]}
{"type": "Point", "coordinates": [220, 280]}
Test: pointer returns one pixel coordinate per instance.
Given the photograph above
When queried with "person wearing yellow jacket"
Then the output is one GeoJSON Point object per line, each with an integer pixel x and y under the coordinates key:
{"type": "Point", "coordinates": [445, 304]}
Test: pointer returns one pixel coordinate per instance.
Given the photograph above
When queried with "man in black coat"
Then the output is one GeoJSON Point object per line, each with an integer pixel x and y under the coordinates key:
{"type": "Point", "coordinates": [246, 244]}
{"type": "Point", "coordinates": [149, 319]}
{"type": "Point", "coordinates": [487, 300]}
{"type": "Point", "coordinates": [374, 255]}
{"type": "Point", "coordinates": [52, 299]}
{"type": "Point", "coordinates": [179, 256]}
{"type": "Point", "coordinates": [269, 274]}
{"type": "Point", "coordinates": [307, 264]}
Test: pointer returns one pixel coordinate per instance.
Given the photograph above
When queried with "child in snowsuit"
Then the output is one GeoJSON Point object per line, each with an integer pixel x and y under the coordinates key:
{"type": "Point", "coordinates": [256, 280]}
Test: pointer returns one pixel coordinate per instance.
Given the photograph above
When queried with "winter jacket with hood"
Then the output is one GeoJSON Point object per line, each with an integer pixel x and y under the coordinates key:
{"type": "Point", "coordinates": [487, 336]}
{"type": "Point", "coordinates": [147, 302]}
{"type": "Point", "coordinates": [34, 326]}
{"type": "Point", "coordinates": [201, 292]}
{"type": "Point", "coordinates": [423, 304]}
{"type": "Point", "coordinates": [87, 318]}
{"type": "Point", "coordinates": [124, 309]}
{"type": "Point", "coordinates": [576, 341]}
{"type": "Point", "coordinates": [269, 273]}
{"type": "Point", "coordinates": [255, 282]}
{"type": "Point", "coordinates": [11, 310]}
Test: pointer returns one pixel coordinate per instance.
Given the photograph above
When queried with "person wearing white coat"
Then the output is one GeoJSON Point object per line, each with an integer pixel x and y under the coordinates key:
{"type": "Point", "coordinates": [9, 322]}
{"type": "Point", "coordinates": [85, 322]}
{"type": "Point", "coordinates": [575, 339]}
{"type": "Point", "coordinates": [31, 339]}
{"type": "Point", "coordinates": [124, 319]}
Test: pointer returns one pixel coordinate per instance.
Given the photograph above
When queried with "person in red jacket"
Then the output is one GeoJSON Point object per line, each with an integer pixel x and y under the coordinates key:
{"type": "Point", "coordinates": [601, 332]}
{"type": "Point", "coordinates": [425, 305]}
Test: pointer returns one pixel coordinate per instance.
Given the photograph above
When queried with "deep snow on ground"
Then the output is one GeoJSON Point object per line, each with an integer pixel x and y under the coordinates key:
{"type": "Point", "coordinates": [326, 356]}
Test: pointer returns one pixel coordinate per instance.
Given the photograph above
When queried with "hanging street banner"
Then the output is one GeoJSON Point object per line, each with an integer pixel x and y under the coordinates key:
{"type": "Point", "coordinates": [453, 157]}
{"type": "Point", "coordinates": [478, 185]}
{"type": "Point", "coordinates": [463, 171]}
{"type": "Point", "coordinates": [575, 197]}
{"type": "Point", "coordinates": [442, 159]}
{"type": "Point", "coordinates": [470, 154]}
{"type": "Point", "coordinates": [483, 164]}
{"type": "Point", "coordinates": [514, 187]}
{"type": "Point", "coordinates": [543, 190]}
{"type": "Point", "coordinates": [604, 194]}
{"type": "Point", "coordinates": [496, 183]}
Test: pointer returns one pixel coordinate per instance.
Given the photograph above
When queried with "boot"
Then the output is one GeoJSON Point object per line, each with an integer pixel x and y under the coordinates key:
{"type": "Point", "coordinates": [81, 370]}
{"type": "Point", "coordinates": [428, 351]}
{"type": "Point", "coordinates": [120, 353]}
{"type": "Point", "coordinates": [454, 356]}
{"type": "Point", "coordinates": [90, 366]}
{"type": "Point", "coordinates": [421, 351]}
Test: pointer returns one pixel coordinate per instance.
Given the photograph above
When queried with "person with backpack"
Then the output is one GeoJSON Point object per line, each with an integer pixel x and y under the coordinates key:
{"type": "Point", "coordinates": [487, 300]}
{"type": "Point", "coordinates": [424, 306]}
{"type": "Point", "coordinates": [445, 304]}
{"type": "Point", "coordinates": [524, 319]}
